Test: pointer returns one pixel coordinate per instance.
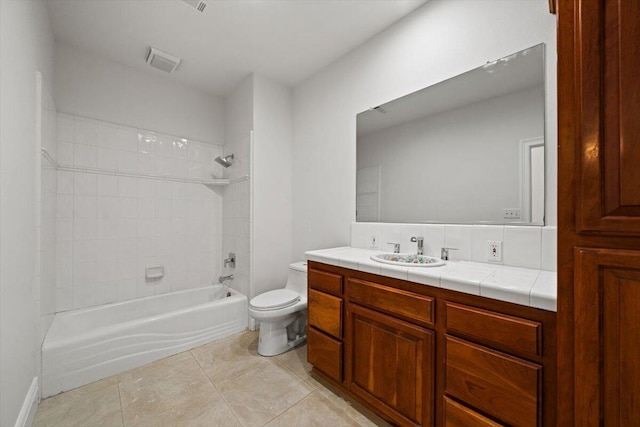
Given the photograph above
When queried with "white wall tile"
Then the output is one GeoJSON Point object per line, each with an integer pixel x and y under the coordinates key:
{"type": "Point", "coordinates": [522, 246]}
{"type": "Point", "coordinates": [84, 206]}
{"type": "Point", "coordinates": [65, 182]}
{"type": "Point", "coordinates": [549, 248]}
{"type": "Point", "coordinates": [65, 153]}
{"type": "Point", "coordinates": [127, 187]}
{"type": "Point", "coordinates": [164, 166]}
{"type": "Point", "coordinates": [64, 299]}
{"type": "Point", "coordinates": [479, 237]}
{"type": "Point", "coordinates": [127, 161]}
{"type": "Point", "coordinates": [64, 229]}
{"type": "Point", "coordinates": [107, 228]}
{"type": "Point", "coordinates": [85, 228]}
{"type": "Point", "coordinates": [164, 146]}
{"type": "Point", "coordinates": [85, 184]}
{"type": "Point", "coordinates": [146, 142]}
{"type": "Point", "coordinates": [107, 185]}
{"type": "Point", "coordinates": [108, 158]}
{"type": "Point", "coordinates": [107, 136]}
{"type": "Point", "coordinates": [459, 237]}
{"type": "Point", "coordinates": [146, 163]}
{"type": "Point", "coordinates": [180, 148]}
{"type": "Point", "coordinates": [85, 250]}
{"type": "Point", "coordinates": [64, 131]}
{"type": "Point", "coordinates": [359, 235]}
{"type": "Point", "coordinates": [85, 131]}
{"type": "Point", "coordinates": [107, 248]}
{"type": "Point", "coordinates": [127, 139]}
{"type": "Point", "coordinates": [85, 156]}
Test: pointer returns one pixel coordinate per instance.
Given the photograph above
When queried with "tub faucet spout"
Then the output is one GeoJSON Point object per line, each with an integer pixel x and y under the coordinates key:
{"type": "Point", "coordinates": [223, 279]}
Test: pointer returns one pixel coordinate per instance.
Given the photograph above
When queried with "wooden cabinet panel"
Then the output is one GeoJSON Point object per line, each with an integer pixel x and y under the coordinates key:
{"type": "Point", "coordinates": [390, 365]}
{"type": "Point", "coordinates": [324, 353]}
{"type": "Point", "coordinates": [608, 104]}
{"type": "Point", "coordinates": [520, 335]}
{"type": "Point", "coordinates": [607, 335]}
{"type": "Point", "coordinates": [324, 281]}
{"type": "Point", "coordinates": [502, 386]}
{"type": "Point", "coordinates": [404, 304]}
{"type": "Point", "coordinates": [325, 312]}
{"type": "Point", "coordinates": [458, 415]}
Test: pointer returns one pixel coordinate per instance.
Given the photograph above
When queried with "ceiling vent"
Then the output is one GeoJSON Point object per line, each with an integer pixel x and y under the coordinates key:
{"type": "Point", "coordinates": [162, 60]}
{"type": "Point", "coordinates": [198, 4]}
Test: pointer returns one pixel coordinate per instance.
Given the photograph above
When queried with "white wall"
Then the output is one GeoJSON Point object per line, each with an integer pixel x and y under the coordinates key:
{"type": "Point", "coordinates": [426, 163]}
{"type": "Point", "coordinates": [271, 158]}
{"type": "Point", "coordinates": [438, 41]}
{"type": "Point", "coordinates": [92, 86]}
{"type": "Point", "coordinates": [26, 46]}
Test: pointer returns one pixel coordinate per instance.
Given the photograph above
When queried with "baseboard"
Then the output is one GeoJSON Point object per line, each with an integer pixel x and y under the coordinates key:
{"type": "Point", "coordinates": [29, 406]}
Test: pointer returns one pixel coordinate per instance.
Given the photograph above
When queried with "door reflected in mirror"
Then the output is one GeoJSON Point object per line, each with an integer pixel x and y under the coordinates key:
{"type": "Point", "coordinates": [467, 150]}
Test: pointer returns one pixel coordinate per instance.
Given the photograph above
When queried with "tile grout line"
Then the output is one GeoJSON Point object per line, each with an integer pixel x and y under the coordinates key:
{"type": "Point", "coordinates": [216, 389]}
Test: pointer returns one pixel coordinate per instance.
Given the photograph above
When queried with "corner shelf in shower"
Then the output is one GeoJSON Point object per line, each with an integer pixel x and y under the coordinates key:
{"type": "Point", "coordinates": [100, 171]}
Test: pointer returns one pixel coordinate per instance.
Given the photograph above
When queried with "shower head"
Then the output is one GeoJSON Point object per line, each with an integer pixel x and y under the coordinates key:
{"type": "Point", "coordinates": [225, 161]}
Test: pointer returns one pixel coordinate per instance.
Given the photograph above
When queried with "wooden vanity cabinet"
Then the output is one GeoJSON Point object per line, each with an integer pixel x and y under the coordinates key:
{"type": "Point", "coordinates": [419, 355]}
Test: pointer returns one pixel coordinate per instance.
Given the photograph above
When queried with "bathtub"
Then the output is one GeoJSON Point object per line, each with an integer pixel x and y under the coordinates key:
{"type": "Point", "coordinates": [89, 344]}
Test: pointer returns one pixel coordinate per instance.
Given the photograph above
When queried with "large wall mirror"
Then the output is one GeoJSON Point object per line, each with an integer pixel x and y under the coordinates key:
{"type": "Point", "coordinates": [467, 150]}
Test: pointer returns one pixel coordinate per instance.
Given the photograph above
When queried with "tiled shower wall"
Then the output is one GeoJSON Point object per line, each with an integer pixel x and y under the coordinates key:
{"type": "Point", "coordinates": [236, 216]}
{"type": "Point", "coordinates": [111, 228]}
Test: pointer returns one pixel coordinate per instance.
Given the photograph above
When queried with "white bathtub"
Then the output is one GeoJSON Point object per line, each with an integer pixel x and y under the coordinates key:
{"type": "Point", "coordinates": [93, 343]}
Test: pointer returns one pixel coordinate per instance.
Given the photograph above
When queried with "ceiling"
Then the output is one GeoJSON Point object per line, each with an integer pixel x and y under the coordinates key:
{"type": "Point", "coordinates": [285, 40]}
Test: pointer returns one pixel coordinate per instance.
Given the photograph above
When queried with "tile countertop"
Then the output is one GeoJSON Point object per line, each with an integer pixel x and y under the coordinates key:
{"type": "Point", "coordinates": [524, 286]}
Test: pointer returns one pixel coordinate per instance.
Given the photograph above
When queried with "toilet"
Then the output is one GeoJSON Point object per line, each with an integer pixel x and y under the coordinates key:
{"type": "Point", "coordinates": [282, 313]}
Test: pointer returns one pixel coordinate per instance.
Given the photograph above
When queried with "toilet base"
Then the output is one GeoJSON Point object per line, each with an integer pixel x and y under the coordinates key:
{"type": "Point", "coordinates": [283, 335]}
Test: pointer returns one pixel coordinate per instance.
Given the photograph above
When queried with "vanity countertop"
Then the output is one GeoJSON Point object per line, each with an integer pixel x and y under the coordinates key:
{"type": "Point", "coordinates": [524, 286]}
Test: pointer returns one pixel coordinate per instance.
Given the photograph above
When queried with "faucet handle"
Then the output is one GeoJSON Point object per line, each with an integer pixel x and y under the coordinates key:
{"type": "Point", "coordinates": [396, 247]}
{"type": "Point", "coordinates": [444, 253]}
{"type": "Point", "coordinates": [417, 239]}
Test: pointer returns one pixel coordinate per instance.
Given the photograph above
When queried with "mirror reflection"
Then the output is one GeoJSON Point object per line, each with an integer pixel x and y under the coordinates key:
{"type": "Point", "coordinates": [467, 150]}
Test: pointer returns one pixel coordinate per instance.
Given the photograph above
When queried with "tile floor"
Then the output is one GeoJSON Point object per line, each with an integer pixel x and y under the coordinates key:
{"type": "Point", "coordinates": [224, 383]}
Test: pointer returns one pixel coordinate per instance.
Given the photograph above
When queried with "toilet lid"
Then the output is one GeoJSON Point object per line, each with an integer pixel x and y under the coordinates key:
{"type": "Point", "coordinates": [273, 300]}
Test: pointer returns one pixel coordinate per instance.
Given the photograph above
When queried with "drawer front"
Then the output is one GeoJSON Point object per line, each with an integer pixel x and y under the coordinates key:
{"type": "Point", "coordinates": [499, 385]}
{"type": "Point", "coordinates": [458, 415]}
{"type": "Point", "coordinates": [400, 303]}
{"type": "Point", "coordinates": [324, 353]}
{"type": "Point", "coordinates": [513, 333]}
{"type": "Point", "coordinates": [325, 312]}
{"type": "Point", "coordinates": [327, 282]}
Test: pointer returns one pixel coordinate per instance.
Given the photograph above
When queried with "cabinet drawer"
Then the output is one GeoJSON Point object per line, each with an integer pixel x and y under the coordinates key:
{"type": "Point", "coordinates": [324, 353]}
{"type": "Point", "coordinates": [326, 282]}
{"type": "Point", "coordinates": [499, 385]}
{"type": "Point", "coordinates": [520, 335]}
{"type": "Point", "coordinates": [325, 312]}
{"type": "Point", "coordinates": [458, 415]}
{"type": "Point", "coordinates": [400, 303]}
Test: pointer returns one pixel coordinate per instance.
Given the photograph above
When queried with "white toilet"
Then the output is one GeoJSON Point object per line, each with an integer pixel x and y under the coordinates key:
{"type": "Point", "coordinates": [282, 313]}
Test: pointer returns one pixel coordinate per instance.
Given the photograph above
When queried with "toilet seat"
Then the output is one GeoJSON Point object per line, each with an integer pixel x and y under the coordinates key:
{"type": "Point", "coordinates": [274, 300]}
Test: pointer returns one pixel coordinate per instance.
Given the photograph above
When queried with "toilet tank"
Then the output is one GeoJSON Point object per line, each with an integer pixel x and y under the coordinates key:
{"type": "Point", "coordinates": [297, 280]}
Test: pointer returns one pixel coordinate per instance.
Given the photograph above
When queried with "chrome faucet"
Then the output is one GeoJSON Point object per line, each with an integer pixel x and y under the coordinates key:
{"type": "Point", "coordinates": [444, 253]}
{"type": "Point", "coordinates": [223, 279]}
{"type": "Point", "coordinates": [420, 241]}
{"type": "Point", "coordinates": [396, 247]}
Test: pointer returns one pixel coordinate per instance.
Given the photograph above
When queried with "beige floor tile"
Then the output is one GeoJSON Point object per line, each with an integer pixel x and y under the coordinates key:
{"type": "Point", "coordinates": [168, 385]}
{"type": "Point", "coordinates": [229, 358]}
{"type": "Point", "coordinates": [261, 394]}
{"type": "Point", "coordinates": [313, 411]}
{"type": "Point", "coordinates": [296, 360]}
{"type": "Point", "coordinates": [96, 404]}
{"type": "Point", "coordinates": [203, 411]}
{"type": "Point", "coordinates": [153, 366]}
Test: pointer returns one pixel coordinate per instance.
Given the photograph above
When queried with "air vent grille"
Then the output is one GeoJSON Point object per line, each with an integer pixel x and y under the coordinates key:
{"type": "Point", "coordinates": [197, 4]}
{"type": "Point", "coordinates": [162, 60]}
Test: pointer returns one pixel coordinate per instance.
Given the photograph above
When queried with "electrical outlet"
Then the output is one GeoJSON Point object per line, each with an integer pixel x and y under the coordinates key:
{"type": "Point", "coordinates": [511, 213]}
{"type": "Point", "coordinates": [495, 250]}
{"type": "Point", "coordinates": [374, 242]}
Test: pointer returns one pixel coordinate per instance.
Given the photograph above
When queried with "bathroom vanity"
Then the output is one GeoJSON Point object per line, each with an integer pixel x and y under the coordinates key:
{"type": "Point", "coordinates": [421, 355]}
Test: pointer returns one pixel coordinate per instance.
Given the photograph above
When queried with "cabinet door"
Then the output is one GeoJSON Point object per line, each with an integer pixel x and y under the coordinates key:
{"type": "Point", "coordinates": [390, 365]}
{"type": "Point", "coordinates": [607, 337]}
{"type": "Point", "coordinates": [607, 62]}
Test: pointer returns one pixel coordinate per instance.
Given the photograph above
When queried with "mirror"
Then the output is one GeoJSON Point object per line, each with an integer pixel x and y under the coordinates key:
{"type": "Point", "coordinates": [468, 150]}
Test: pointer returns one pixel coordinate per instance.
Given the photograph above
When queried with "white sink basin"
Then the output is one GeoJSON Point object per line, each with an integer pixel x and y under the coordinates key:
{"type": "Point", "coordinates": [408, 260]}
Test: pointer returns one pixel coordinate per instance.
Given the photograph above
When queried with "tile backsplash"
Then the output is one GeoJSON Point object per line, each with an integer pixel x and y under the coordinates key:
{"type": "Point", "coordinates": [522, 246]}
